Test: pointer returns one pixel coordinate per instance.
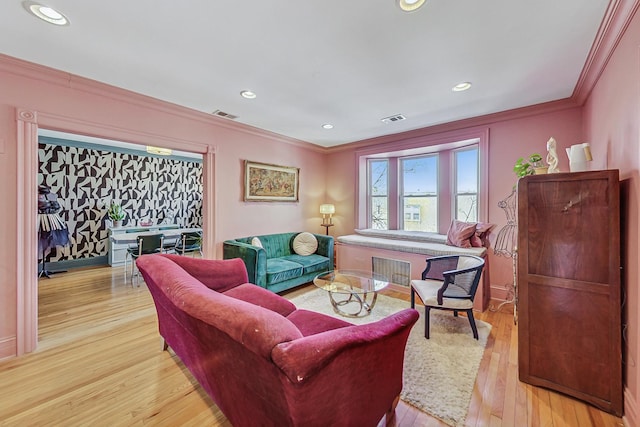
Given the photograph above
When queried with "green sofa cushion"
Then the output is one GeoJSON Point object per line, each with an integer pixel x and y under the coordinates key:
{"type": "Point", "coordinates": [279, 270]}
{"type": "Point", "coordinates": [311, 263]}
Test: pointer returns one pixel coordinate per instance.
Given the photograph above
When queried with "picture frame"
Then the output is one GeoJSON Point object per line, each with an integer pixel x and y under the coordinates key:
{"type": "Point", "coordinates": [265, 182]}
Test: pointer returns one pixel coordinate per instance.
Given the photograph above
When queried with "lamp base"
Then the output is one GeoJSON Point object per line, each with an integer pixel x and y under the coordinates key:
{"type": "Point", "coordinates": [327, 227]}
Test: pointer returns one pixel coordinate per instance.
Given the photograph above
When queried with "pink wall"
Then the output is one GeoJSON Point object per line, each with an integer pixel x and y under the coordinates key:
{"type": "Point", "coordinates": [612, 126]}
{"type": "Point", "coordinates": [68, 103]}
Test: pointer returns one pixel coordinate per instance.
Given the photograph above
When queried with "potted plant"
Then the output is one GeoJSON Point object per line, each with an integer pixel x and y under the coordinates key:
{"type": "Point", "coordinates": [116, 214]}
{"type": "Point", "coordinates": [523, 168]}
{"type": "Point", "coordinates": [537, 164]}
{"type": "Point", "coordinates": [533, 166]}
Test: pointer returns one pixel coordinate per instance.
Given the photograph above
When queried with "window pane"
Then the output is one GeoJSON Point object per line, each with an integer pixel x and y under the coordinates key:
{"type": "Point", "coordinates": [420, 193]}
{"type": "Point", "coordinates": [379, 213]}
{"type": "Point", "coordinates": [466, 176]}
{"type": "Point", "coordinates": [378, 191]}
{"type": "Point", "coordinates": [467, 208]}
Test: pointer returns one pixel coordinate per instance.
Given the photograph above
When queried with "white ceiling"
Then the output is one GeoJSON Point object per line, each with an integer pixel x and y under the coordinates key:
{"type": "Point", "coordinates": [348, 63]}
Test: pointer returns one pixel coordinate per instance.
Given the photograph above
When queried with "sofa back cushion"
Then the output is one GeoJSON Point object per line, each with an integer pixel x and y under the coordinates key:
{"type": "Point", "coordinates": [219, 275]}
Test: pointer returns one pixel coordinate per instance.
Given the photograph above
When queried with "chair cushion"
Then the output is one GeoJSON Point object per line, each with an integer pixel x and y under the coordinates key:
{"type": "Point", "coordinates": [427, 290]}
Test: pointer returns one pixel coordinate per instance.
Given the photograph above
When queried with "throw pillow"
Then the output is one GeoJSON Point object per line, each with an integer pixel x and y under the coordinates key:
{"type": "Point", "coordinates": [482, 230]}
{"type": "Point", "coordinates": [256, 242]}
{"type": "Point", "coordinates": [305, 244]}
{"type": "Point", "coordinates": [460, 232]}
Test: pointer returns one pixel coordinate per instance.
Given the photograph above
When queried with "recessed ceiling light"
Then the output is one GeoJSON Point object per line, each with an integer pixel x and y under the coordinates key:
{"type": "Point", "coordinates": [461, 86]}
{"type": "Point", "coordinates": [410, 5]}
{"type": "Point", "coordinates": [45, 13]}
{"type": "Point", "coordinates": [248, 94]}
{"type": "Point", "coordinates": [327, 126]}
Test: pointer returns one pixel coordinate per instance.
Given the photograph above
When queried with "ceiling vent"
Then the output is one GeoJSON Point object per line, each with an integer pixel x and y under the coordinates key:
{"type": "Point", "coordinates": [394, 118]}
{"type": "Point", "coordinates": [224, 115]}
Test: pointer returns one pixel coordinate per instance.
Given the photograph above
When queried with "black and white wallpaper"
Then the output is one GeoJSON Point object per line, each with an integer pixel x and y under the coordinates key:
{"type": "Point", "coordinates": [86, 180]}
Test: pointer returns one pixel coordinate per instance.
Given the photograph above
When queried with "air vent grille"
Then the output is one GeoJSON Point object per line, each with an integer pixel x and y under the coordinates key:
{"type": "Point", "coordinates": [224, 115]}
{"type": "Point", "coordinates": [394, 118]}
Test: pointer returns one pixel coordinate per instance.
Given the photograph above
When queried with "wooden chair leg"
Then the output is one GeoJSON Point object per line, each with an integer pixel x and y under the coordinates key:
{"type": "Point", "coordinates": [426, 321]}
{"type": "Point", "coordinates": [472, 322]}
{"type": "Point", "coordinates": [391, 413]}
{"type": "Point", "coordinates": [413, 298]}
{"type": "Point", "coordinates": [455, 313]}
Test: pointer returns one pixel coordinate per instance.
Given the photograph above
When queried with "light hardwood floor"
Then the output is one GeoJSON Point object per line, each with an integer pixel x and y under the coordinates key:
{"type": "Point", "coordinates": [99, 362]}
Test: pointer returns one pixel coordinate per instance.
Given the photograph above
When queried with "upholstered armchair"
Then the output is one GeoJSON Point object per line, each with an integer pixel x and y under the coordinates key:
{"type": "Point", "coordinates": [449, 283]}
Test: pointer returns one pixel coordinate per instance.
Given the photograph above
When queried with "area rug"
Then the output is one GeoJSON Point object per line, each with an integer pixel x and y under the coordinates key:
{"type": "Point", "coordinates": [439, 373]}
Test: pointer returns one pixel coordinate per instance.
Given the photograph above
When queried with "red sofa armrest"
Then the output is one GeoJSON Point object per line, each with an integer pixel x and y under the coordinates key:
{"type": "Point", "coordinates": [300, 359]}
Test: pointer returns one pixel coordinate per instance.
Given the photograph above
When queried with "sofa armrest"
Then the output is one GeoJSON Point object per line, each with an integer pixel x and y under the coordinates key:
{"type": "Point", "coordinates": [254, 258]}
{"type": "Point", "coordinates": [302, 358]}
{"type": "Point", "coordinates": [325, 246]}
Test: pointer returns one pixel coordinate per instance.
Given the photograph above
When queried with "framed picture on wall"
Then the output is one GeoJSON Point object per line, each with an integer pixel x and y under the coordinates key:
{"type": "Point", "coordinates": [270, 183]}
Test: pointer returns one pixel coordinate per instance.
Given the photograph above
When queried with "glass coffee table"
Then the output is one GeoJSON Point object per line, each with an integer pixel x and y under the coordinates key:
{"type": "Point", "coordinates": [353, 293]}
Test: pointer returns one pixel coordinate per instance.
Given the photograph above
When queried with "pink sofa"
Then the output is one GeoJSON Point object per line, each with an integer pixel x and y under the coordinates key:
{"type": "Point", "coordinates": [264, 362]}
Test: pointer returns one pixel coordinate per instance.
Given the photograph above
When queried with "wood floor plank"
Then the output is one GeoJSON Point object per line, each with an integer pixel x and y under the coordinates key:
{"type": "Point", "coordinates": [98, 363]}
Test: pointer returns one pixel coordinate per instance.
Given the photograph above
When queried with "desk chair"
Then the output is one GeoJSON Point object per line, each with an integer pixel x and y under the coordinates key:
{"type": "Point", "coordinates": [189, 242]}
{"type": "Point", "coordinates": [146, 244]}
{"type": "Point", "coordinates": [449, 283]}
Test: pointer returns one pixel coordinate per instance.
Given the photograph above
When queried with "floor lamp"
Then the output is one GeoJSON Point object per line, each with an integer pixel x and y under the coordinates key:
{"type": "Point", "coordinates": [327, 209]}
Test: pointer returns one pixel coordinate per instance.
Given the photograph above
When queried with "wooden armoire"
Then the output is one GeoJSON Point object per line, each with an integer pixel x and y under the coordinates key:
{"type": "Point", "coordinates": [569, 296]}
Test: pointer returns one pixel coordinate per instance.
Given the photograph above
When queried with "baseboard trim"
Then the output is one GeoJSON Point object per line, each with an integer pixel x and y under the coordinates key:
{"type": "Point", "coordinates": [8, 347]}
{"type": "Point", "coordinates": [76, 263]}
{"type": "Point", "coordinates": [499, 292]}
{"type": "Point", "coordinates": [630, 417]}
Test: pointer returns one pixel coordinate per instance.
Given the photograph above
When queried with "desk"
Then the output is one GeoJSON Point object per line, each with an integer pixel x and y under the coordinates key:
{"type": "Point", "coordinates": [121, 238]}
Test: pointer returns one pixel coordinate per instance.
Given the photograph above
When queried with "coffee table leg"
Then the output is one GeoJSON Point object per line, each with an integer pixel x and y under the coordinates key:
{"type": "Point", "coordinates": [365, 307]}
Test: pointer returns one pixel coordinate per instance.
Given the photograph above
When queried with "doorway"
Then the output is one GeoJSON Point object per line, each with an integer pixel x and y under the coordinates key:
{"type": "Point", "coordinates": [28, 123]}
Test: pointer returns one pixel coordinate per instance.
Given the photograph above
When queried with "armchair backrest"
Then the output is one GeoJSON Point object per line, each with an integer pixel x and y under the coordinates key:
{"type": "Point", "coordinates": [463, 271]}
{"type": "Point", "coordinates": [468, 280]}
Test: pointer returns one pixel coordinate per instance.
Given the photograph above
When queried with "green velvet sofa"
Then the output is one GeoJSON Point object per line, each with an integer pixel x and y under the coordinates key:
{"type": "Point", "coordinates": [276, 266]}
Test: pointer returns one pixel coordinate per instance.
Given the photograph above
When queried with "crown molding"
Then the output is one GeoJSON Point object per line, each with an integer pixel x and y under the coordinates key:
{"type": "Point", "coordinates": [472, 122]}
{"type": "Point", "coordinates": [616, 21]}
{"type": "Point", "coordinates": [29, 70]}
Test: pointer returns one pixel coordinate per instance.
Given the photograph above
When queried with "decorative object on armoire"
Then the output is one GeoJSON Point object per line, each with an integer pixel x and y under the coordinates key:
{"type": "Point", "coordinates": [569, 290]}
{"type": "Point", "coordinates": [552, 156]}
{"type": "Point", "coordinates": [579, 155]}
{"type": "Point", "coordinates": [506, 245]}
{"type": "Point", "coordinates": [52, 230]}
{"type": "Point", "coordinates": [116, 214]}
{"type": "Point", "coordinates": [537, 164]}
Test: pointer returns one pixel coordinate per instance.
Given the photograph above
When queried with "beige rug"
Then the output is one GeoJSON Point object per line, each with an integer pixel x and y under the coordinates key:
{"type": "Point", "coordinates": [439, 373]}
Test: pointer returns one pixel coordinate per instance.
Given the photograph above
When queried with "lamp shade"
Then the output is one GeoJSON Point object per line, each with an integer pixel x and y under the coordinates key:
{"type": "Point", "coordinates": [327, 209]}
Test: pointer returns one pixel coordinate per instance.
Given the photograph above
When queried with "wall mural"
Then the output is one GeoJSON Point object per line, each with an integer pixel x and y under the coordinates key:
{"type": "Point", "coordinates": [165, 190]}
